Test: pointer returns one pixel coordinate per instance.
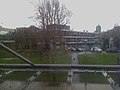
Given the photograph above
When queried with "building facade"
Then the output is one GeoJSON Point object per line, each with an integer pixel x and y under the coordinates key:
{"type": "Point", "coordinates": [80, 39]}
{"type": "Point", "coordinates": [76, 38]}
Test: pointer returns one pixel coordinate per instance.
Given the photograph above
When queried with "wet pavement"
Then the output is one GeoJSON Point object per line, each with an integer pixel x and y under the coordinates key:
{"type": "Point", "coordinates": [13, 85]}
{"type": "Point", "coordinates": [76, 76]}
{"type": "Point", "coordinates": [74, 59]}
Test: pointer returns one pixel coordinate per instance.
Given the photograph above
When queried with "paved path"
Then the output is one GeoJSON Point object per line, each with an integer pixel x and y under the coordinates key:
{"type": "Point", "coordinates": [13, 85]}
{"type": "Point", "coordinates": [73, 77]}
{"type": "Point", "coordinates": [76, 76]}
{"type": "Point", "coordinates": [74, 59]}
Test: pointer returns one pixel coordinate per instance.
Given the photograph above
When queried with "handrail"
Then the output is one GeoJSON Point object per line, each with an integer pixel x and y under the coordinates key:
{"type": "Point", "coordinates": [61, 66]}
{"type": "Point", "coordinates": [18, 55]}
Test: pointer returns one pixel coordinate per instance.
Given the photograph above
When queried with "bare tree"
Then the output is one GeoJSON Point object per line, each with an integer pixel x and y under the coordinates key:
{"type": "Point", "coordinates": [51, 12]}
{"type": "Point", "coordinates": [105, 40]}
{"type": "Point", "coordinates": [113, 34]}
{"type": "Point", "coordinates": [26, 38]}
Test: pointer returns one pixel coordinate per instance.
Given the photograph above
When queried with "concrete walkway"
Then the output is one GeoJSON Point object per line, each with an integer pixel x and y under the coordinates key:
{"type": "Point", "coordinates": [76, 76]}
{"type": "Point", "coordinates": [13, 85]}
{"type": "Point", "coordinates": [73, 77]}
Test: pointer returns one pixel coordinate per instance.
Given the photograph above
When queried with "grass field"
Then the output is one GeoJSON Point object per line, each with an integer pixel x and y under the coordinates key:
{"type": "Point", "coordinates": [93, 78]}
{"type": "Point", "coordinates": [53, 77]}
{"type": "Point", "coordinates": [58, 58]}
{"type": "Point", "coordinates": [20, 76]}
{"type": "Point", "coordinates": [5, 58]}
{"type": "Point", "coordinates": [98, 58]}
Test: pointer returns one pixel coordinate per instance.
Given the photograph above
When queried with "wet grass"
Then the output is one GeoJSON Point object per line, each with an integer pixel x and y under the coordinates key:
{"type": "Point", "coordinates": [5, 54]}
{"type": "Point", "coordinates": [58, 57]}
{"type": "Point", "coordinates": [43, 77]}
{"type": "Point", "coordinates": [98, 58]}
{"type": "Point", "coordinates": [52, 77]}
{"type": "Point", "coordinates": [93, 78]}
{"type": "Point", "coordinates": [20, 76]}
{"type": "Point", "coordinates": [6, 58]}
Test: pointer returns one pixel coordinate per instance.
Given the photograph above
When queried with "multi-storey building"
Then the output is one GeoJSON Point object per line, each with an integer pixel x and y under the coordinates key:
{"type": "Point", "coordinates": [79, 39]}
{"type": "Point", "coordinates": [76, 38]}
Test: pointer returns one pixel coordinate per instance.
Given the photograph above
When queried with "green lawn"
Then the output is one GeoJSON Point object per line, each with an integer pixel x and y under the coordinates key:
{"type": "Point", "coordinates": [20, 76]}
{"type": "Point", "coordinates": [5, 57]}
{"type": "Point", "coordinates": [98, 58]}
{"type": "Point", "coordinates": [44, 77]}
{"type": "Point", "coordinates": [5, 54]}
{"type": "Point", "coordinates": [52, 77]}
{"type": "Point", "coordinates": [59, 57]}
{"type": "Point", "coordinates": [93, 78]}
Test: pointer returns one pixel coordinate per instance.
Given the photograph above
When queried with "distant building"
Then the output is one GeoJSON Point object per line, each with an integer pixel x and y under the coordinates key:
{"type": "Point", "coordinates": [79, 39]}
{"type": "Point", "coordinates": [58, 27]}
{"type": "Point", "coordinates": [76, 38]}
{"type": "Point", "coordinates": [98, 29]}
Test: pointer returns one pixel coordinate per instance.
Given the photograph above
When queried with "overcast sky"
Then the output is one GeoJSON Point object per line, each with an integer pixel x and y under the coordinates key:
{"type": "Point", "coordinates": [87, 14]}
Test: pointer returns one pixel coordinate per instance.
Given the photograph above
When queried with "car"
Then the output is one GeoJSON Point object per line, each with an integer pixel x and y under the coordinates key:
{"type": "Point", "coordinates": [81, 49]}
{"type": "Point", "coordinates": [96, 49]}
{"type": "Point", "coordinates": [72, 49]}
{"type": "Point", "coordinates": [77, 49]}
